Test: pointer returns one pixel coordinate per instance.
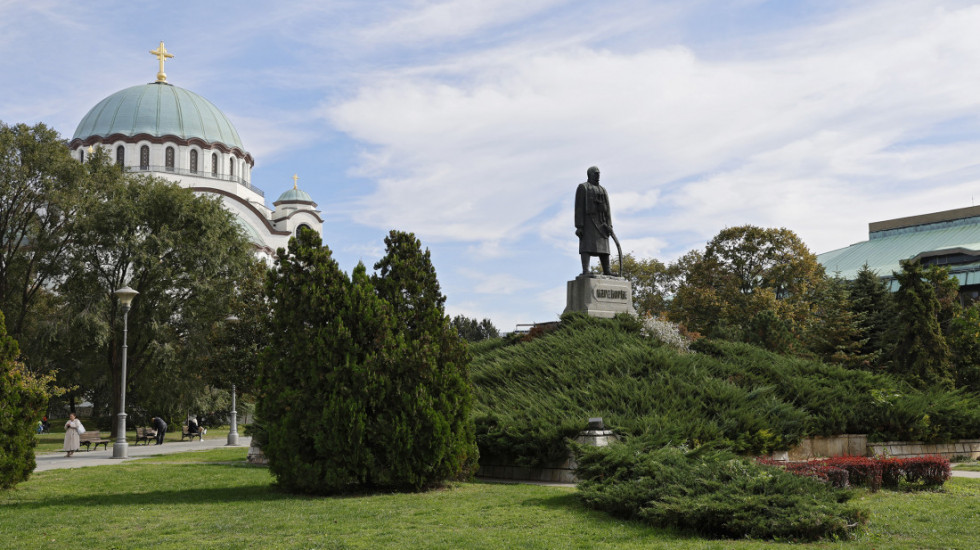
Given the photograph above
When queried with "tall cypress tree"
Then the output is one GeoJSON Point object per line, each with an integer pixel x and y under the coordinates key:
{"type": "Point", "coordinates": [432, 431]}
{"type": "Point", "coordinates": [319, 378]}
{"type": "Point", "coordinates": [362, 387]}
{"type": "Point", "coordinates": [872, 303]}
{"type": "Point", "coordinates": [921, 353]}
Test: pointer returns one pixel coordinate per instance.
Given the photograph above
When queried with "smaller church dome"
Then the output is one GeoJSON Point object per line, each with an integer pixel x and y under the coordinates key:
{"type": "Point", "coordinates": [294, 195]}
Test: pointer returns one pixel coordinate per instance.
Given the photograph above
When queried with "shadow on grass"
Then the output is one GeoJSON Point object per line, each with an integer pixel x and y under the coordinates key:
{"type": "Point", "coordinates": [638, 529]}
{"type": "Point", "coordinates": [265, 493]}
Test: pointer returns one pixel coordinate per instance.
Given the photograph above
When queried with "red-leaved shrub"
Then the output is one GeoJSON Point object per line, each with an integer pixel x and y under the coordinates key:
{"type": "Point", "coordinates": [931, 471]}
{"type": "Point", "coordinates": [861, 470]}
{"type": "Point", "coordinates": [873, 473]}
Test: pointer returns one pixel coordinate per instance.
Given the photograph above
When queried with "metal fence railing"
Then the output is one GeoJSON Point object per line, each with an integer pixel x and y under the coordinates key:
{"type": "Point", "coordinates": [198, 173]}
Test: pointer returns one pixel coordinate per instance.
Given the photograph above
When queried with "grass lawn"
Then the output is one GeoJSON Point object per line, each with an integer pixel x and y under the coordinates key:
{"type": "Point", "coordinates": [212, 499]}
{"type": "Point", "coordinates": [968, 466]}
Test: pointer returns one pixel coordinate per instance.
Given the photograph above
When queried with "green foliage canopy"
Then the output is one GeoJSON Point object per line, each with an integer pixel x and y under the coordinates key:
{"type": "Point", "coordinates": [22, 399]}
{"type": "Point", "coordinates": [472, 330]}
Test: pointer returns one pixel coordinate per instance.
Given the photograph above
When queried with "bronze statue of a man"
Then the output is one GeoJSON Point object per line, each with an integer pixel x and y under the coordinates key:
{"type": "Point", "coordinates": [593, 223]}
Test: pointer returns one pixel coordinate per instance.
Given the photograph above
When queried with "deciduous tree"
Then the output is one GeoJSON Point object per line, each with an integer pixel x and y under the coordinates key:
{"type": "Point", "coordinates": [43, 192]}
{"type": "Point", "coordinates": [185, 256]}
{"type": "Point", "coordinates": [744, 271]}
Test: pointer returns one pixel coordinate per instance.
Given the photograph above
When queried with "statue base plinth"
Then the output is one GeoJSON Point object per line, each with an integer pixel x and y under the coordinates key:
{"type": "Point", "coordinates": [600, 295]}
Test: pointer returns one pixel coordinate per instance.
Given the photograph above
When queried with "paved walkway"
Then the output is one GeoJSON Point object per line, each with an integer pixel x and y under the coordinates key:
{"type": "Point", "coordinates": [57, 460]}
{"type": "Point", "coordinates": [81, 459]}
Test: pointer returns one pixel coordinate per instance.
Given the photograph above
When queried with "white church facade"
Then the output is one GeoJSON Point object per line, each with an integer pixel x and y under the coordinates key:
{"type": "Point", "coordinates": [169, 132]}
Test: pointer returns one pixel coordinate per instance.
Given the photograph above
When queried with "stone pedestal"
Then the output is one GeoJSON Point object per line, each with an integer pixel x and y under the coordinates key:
{"type": "Point", "coordinates": [556, 472]}
{"type": "Point", "coordinates": [255, 454]}
{"type": "Point", "coordinates": [600, 295]}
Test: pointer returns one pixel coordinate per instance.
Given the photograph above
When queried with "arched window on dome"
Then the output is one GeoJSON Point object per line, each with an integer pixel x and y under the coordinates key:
{"type": "Point", "coordinates": [214, 165]}
{"type": "Point", "coordinates": [121, 156]}
{"type": "Point", "coordinates": [145, 157]}
{"type": "Point", "coordinates": [81, 155]}
{"type": "Point", "coordinates": [301, 227]}
{"type": "Point", "coordinates": [193, 161]}
{"type": "Point", "coordinates": [169, 159]}
{"type": "Point", "coordinates": [231, 168]}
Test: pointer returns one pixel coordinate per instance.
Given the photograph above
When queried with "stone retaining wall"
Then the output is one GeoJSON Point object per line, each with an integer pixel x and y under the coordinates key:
{"type": "Point", "coordinates": [858, 445]}
{"type": "Point", "coordinates": [835, 445]}
{"type": "Point", "coordinates": [964, 447]}
{"type": "Point", "coordinates": [558, 473]}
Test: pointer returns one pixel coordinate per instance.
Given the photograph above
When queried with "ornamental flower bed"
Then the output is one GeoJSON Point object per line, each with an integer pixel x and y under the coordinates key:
{"type": "Point", "coordinates": [873, 473]}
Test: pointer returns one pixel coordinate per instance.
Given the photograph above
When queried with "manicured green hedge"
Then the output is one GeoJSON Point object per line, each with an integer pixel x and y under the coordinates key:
{"type": "Point", "coordinates": [531, 396]}
{"type": "Point", "coordinates": [712, 492]}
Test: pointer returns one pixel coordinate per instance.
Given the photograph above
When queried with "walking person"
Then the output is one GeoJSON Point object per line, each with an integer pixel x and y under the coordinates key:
{"type": "Point", "coordinates": [161, 427]}
{"type": "Point", "coordinates": [72, 429]}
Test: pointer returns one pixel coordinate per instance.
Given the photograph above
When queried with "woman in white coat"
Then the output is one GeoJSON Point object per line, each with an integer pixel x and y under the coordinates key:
{"type": "Point", "coordinates": [71, 434]}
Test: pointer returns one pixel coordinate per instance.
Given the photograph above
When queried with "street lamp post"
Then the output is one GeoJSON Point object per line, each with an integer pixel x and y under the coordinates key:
{"type": "Point", "coordinates": [120, 448]}
{"type": "Point", "coordinates": [233, 428]}
{"type": "Point", "coordinates": [233, 431]}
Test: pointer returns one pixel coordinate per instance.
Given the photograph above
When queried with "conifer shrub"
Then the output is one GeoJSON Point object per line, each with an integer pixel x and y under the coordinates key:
{"type": "Point", "coordinates": [532, 396]}
{"type": "Point", "coordinates": [430, 435]}
{"type": "Point", "coordinates": [22, 399]}
{"type": "Point", "coordinates": [712, 492]}
{"type": "Point", "coordinates": [356, 392]}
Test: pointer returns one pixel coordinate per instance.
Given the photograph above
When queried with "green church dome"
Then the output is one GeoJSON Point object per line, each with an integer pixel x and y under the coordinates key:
{"type": "Point", "coordinates": [294, 195]}
{"type": "Point", "coordinates": [159, 109]}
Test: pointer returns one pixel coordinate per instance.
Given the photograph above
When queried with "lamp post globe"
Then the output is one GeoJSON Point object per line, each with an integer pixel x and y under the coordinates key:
{"type": "Point", "coordinates": [233, 423]}
{"type": "Point", "coordinates": [120, 448]}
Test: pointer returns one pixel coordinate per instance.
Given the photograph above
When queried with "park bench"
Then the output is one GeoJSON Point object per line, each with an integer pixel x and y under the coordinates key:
{"type": "Point", "coordinates": [188, 434]}
{"type": "Point", "coordinates": [144, 435]}
{"type": "Point", "coordinates": [92, 438]}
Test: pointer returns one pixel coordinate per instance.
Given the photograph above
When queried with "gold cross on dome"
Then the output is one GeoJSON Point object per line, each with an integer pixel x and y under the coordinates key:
{"type": "Point", "coordinates": [295, 178]}
{"type": "Point", "coordinates": [162, 54]}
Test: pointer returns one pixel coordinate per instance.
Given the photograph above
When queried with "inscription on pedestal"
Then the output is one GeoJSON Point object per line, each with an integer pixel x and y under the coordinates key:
{"type": "Point", "coordinates": [600, 296]}
{"type": "Point", "coordinates": [611, 294]}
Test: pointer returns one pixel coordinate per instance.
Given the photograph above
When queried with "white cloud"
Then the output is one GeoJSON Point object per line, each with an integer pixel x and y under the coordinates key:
{"type": "Point", "coordinates": [474, 151]}
{"type": "Point", "coordinates": [427, 21]}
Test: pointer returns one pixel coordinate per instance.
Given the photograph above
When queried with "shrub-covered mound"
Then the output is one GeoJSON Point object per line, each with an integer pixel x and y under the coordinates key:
{"type": "Point", "coordinates": [532, 395]}
{"type": "Point", "coordinates": [712, 492]}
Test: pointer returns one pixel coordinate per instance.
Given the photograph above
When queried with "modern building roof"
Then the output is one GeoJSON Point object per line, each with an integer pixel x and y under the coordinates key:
{"type": "Point", "coordinates": [159, 109]}
{"type": "Point", "coordinates": [950, 238]}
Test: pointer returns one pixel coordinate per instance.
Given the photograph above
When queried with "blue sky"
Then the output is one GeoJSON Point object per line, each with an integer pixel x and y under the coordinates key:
{"type": "Point", "coordinates": [470, 122]}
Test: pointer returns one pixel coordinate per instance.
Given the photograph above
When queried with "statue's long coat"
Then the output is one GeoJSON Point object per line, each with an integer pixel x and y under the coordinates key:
{"type": "Point", "coordinates": [593, 218]}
